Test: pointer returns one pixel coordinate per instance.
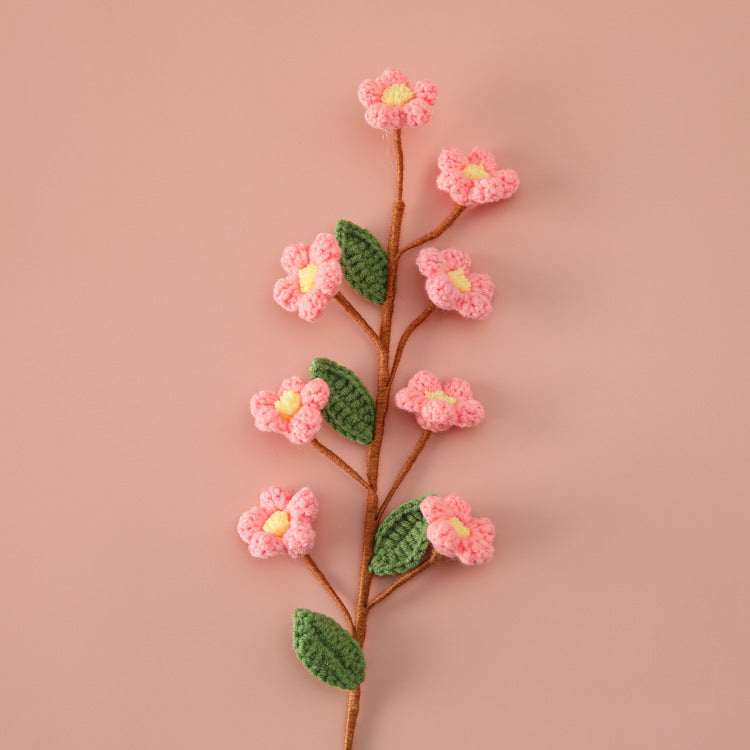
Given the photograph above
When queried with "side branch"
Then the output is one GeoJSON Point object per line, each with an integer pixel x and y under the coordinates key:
{"type": "Point", "coordinates": [331, 456]}
{"type": "Point", "coordinates": [431, 560]}
{"type": "Point", "coordinates": [405, 469]}
{"type": "Point", "coordinates": [361, 322]}
{"type": "Point", "coordinates": [457, 211]}
{"type": "Point", "coordinates": [405, 337]}
{"type": "Point", "coordinates": [318, 573]}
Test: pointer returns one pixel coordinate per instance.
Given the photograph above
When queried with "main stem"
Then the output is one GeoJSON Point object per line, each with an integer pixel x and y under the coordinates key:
{"type": "Point", "coordinates": [373, 450]}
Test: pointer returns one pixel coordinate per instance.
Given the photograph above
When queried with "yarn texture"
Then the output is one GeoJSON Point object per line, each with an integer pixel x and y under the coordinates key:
{"type": "Point", "coordinates": [400, 542]}
{"type": "Point", "coordinates": [454, 533]}
{"type": "Point", "coordinates": [440, 407]}
{"type": "Point", "coordinates": [451, 285]}
{"type": "Point", "coordinates": [350, 409]}
{"type": "Point", "coordinates": [327, 650]}
{"type": "Point", "coordinates": [281, 522]}
{"type": "Point", "coordinates": [294, 411]}
{"type": "Point", "coordinates": [313, 276]}
{"type": "Point", "coordinates": [474, 179]}
{"type": "Point", "coordinates": [390, 101]}
{"type": "Point", "coordinates": [363, 261]}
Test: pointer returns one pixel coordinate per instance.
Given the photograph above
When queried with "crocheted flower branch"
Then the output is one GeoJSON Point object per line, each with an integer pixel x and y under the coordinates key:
{"type": "Point", "coordinates": [419, 532]}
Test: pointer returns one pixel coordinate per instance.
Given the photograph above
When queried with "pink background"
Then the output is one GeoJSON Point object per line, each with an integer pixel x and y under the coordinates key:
{"type": "Point", "coordinates": [156, 157]}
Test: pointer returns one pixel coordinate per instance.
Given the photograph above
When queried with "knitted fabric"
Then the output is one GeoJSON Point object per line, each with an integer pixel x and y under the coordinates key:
{"type": "Point", "coordinates": [474, 179]}
{"type": "Point", "coordinates": [390, 102]}
{"type": "Point", "coordinates": [313, 276]}
{"type": "Point", "coordinates": [451, 285]}
{"type": "Point", "coordinates": [350, 409]}
{"type": "Point", "coordinates": [281, 522]}
{"type": "Point", "coordinates": [327, 650]}
{"type": "Point", "coordinates": [440, 407]}
{"type": "Point", "coordinates": [454, 533]}
{"type": "Point", "coordinates": [400, 542]}
{"type": "Point", "coordinates": [294, 411]}
{"type": "Point", "coordinates": [363, 261]}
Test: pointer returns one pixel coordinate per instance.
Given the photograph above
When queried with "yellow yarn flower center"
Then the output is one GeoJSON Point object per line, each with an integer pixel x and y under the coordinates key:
{"type": "Point", "coordinates": [458, 277]}
{"type": "Point", "coordinates": [397, 95]}
{"type": "Point", "coordinates": [307, 278]}
{"type": "Point", "coordinates": [289, 404]}
{"type": "Point", "coordinates": [461, 530]}
{"type": "Point", "coordinates": [475, 171]}
{"type": "Point", "coordinates": [277, 523]}
{"type": "Point", "coordinates": [439, 396]}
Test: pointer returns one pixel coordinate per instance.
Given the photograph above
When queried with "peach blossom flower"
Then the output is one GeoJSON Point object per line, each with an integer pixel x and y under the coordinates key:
{"type": "Point", "coordinates": [391, 102]}
{"type": "Point", "coordinates": [474, 179]}
{"type": "Point", "coordinates": [313, 276]}
{"type": "Point", "coordinates": [454, 533]}
{"type": "Point", "coordinates": [281, 522]}
{"type": "Point", "coordinates": [439, 407]}
{"type": "Point", "coordinates": [451, 286]}
{"type": "Point", "coordinates": [294, 411]}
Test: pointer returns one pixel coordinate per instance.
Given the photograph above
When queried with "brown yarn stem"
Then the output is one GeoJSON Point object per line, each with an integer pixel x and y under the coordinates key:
{"type": "Point", "coordinates": [405, 469]}
{"type": "Point", "coordinates": [318, 573]}
{"type": "Point", "coordinates": [361, 322]}
{"type": "Point", "coordinates": [431, 560]}
{"type": "Point", "coordinates": [329, 454]}
{"type": "Point", "coordinates": [405, 337]}
{"type": "Point", "coordinates": [373, 449]}
{"type": "Point", "coordinates": [457, 211]}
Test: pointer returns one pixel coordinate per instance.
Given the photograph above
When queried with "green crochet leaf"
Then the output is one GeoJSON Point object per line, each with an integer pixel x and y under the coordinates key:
{"type": "Point", "coordinates": [363, 261]}
{"type": "Point", "coordinates": [400, 542]}
{"type": "Point", "coordinates": [327, 650]}
{"type": "Point", "coordinates": [350, 409]}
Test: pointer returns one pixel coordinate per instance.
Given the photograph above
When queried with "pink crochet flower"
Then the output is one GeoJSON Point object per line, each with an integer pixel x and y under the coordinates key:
{"type": "Point", "coordinates": [474, 179]}
{"type": "Point", "coordinates": [391, 103]}
{"type": "Point", "coordinates": [313, 276]}
{"type": "Point", "coordinates": [280, 523]}
{"type": "Point", "coordinates": [294, 411]}
{"type": "Point", "coordinates": [450, 285]}
{"type": "Point", "coordinates": [454, 533]}
{"type": "Point", "coordinates": [437, 406]}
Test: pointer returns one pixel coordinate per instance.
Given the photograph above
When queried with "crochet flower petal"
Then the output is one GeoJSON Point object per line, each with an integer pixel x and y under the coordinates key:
{"type": "Point", "coordinates": [429, 261]}
{"type": "Point", "coordinates": [433, 508]}
{"type": "Point", "coordinates": [380, 115]}
{"type": "Point", "coordinates": [424, 381]}
{"type": "Point", "coordinates": [250, 523]}
{"type": "Point", "coordinates": [316, 393]}
{"type": "Point", "coordinates": [299, 539]}
{"type": "Point", "coordinates": [442, 292]}
{"type": "Point", "coordinates": [305, 425]}
{"type": "Point", "coordinates": [474, 304]}
{"type": "Point", "coordinates": [262, 399]}
{"type": "Point", "coordinates": [267, 419]}
{"type": "Point", "coordinates": [458, 388]}
{"type": "Point", "coordinates": [265, 545]}
{"type": "Point", "coordinates": [303, 507]}
{"type": "Point", "coordinates": [409, 399]}
{"type": "Point", "coordinates": [287, 294]}
{"type": "Point", "coordinates": [451, 158]}
{"type": "Point", "coordinates": [458, 508]}
{"type": "Point", "coordinates": [436, 416]}
{"type": "Point", "coordinates": [311, 305]}
{"type": "Point", "coordinates": [295, 257]}
{"type": "Point", "coordinates": [417, 112]}
{"type": "Point", "coordinates": [323, 248]}
{"type": "Point", "coordinates": [391, 76]}
{"type": "Point", "coordinates": [329, 277]}
{"type": "Point", "coordinates": [485, 158]}
{"type": "Point", "coordinates": [455, 259]}
{"type": "Point", "coordinates": [426, 90]}
{"type": "Point", "coordinates": [294, 383]}
{"type": "Point", "coordinates": [274, 498]}
{"type": "Point", "coordinates": [369, 92]}
{"type": "Point", "coordinates": [468, 413]}
{"type": "Point", "coordinates": [443, 537]}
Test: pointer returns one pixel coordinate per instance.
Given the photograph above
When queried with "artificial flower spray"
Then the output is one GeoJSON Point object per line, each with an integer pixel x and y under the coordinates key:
{"type": "Point", "coordinates": [417, 533]}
